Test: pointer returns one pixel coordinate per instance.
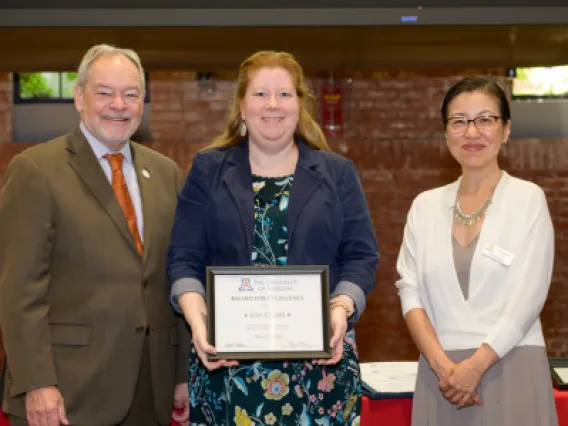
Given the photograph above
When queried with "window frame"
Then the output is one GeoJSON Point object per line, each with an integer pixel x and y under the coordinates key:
{"type": "Point", "coordinates": [512, 74]}
{"type": "Point", "coordinates": [17, 99]}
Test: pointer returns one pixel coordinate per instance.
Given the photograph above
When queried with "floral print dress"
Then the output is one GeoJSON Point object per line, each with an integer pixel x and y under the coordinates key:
{"type": "Point", "coordinates": [287, 392]}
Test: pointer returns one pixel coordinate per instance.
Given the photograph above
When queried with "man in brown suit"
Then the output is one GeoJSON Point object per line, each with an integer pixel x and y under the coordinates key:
{"type": "Point", "coordinates": [85, 221]}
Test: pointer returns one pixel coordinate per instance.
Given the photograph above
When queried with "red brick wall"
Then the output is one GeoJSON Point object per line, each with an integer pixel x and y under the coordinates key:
{"type": "Point", "coordinates": [5, 136]}
{"type": "Point", "coordinates": [5, 107]}
{"type": "Point", "coordinates": [393, 134]}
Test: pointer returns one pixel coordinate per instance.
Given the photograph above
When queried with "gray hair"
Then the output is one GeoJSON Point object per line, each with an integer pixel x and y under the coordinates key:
{"type": "Point", "coordinates": [100, 50]}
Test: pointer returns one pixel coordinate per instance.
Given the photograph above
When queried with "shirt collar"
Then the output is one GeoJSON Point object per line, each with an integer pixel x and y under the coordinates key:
{"type": "Point", "coordinates": [100, 149]}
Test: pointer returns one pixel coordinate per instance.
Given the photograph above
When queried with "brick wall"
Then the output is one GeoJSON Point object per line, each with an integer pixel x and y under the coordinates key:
{"type": "Point", "coordinates": [5, 134]}
{"type": "Point", "coordinates": [5, 107]}
{"type": "Point", "coordinates": [394, 136]}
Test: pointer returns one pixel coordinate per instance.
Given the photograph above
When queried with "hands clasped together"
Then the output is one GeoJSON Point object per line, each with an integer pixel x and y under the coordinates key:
{"type": "Point", "coordinates": [459, 382]}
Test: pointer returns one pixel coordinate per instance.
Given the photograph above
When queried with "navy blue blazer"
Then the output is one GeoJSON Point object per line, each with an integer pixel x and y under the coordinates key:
{"type": "Point", "coordinates": [328, 221]}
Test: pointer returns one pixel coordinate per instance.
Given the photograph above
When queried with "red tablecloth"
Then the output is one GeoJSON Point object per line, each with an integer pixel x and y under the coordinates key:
{"type": "Point", "coordinates": [391, 412]}
{"type": "Point", "coordinates": [561, 399]}
{"type": "Point", "coordinates": [396, 412]}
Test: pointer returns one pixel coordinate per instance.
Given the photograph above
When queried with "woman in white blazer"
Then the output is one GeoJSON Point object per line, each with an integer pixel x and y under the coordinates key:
{"type": "Point", "coordinates": [475, 268]}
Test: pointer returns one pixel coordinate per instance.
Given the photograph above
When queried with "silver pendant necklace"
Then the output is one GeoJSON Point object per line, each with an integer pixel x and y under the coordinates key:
{"type": "Point", "coordinates": [469, 219]}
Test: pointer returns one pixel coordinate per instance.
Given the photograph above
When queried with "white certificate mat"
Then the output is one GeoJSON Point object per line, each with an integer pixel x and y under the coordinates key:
{"type": "Point", "coordinates": [562, 373]}
{"type": "Point", "coordinates": [389, 377]}
{"type": "Point", "coordinates": [268, 313]}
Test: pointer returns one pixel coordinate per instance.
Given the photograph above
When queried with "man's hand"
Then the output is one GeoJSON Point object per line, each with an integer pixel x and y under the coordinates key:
{"type": "Point", "coordinates": [181, 404]}
{"type": "Point", "coordinates": [44, 407]}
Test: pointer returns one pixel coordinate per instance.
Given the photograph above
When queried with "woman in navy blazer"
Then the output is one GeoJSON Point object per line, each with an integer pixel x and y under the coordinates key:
{"type": "Point", "coordinates": [273, 162]}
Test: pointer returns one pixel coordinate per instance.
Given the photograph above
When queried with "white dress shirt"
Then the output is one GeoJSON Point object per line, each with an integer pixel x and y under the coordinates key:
{"type": "Point", "coordinates": [128, 170]}
{"type": "Point", "coordinates": [505, 301]}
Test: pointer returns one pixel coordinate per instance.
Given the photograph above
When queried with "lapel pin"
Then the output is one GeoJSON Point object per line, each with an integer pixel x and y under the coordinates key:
{"type": "Point", "coordinates": [146, 173]}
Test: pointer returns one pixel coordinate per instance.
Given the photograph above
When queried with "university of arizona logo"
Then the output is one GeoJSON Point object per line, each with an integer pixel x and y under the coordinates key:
{"type": "Point", "coordinates": [245, 285]}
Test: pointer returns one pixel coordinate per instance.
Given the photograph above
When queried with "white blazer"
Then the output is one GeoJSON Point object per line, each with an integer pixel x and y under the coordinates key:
{"type": "Point", "coordinates": [504, 301]}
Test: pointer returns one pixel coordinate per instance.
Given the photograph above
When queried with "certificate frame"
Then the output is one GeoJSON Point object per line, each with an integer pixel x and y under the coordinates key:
{"type": "Point", "coordinates": [277, 271]}
{"type": "Point", "coordinates": [558, 363]}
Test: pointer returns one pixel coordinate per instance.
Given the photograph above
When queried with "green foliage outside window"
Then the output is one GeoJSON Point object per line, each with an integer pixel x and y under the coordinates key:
{"type": "Point", "coordinates": [41, 85]}
{"type": "Point", "coordinates": [541, 81]}
{"type": "Point", "coordinates": [67, 83]}
{"type": "Point", "coordinates": [35, 85]}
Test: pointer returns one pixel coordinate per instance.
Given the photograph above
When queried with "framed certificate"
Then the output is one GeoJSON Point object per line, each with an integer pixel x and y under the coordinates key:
{"type": "Point", "coordinates": [272, 312]}
{"type": "Point", "coordinates": [559, 372]}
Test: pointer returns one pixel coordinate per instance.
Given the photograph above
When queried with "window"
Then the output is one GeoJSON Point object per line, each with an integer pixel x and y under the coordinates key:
{"type": "Point", "coordinates": [540, 82]}
{"type": "Point", "coordinates": [49, 87]}
{"type": "Point", "coordinates": [44, 87]}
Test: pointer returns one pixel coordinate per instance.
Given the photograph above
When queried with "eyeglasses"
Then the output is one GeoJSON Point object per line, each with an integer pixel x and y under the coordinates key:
{"type": "Point", "coordinates": [483, 123]}
{"type": "Point", "coordinates": [107, 96]}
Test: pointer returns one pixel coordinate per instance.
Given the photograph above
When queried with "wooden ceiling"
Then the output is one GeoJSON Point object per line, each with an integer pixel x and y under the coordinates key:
{"type": "Point", "coordinates": [317, 48]}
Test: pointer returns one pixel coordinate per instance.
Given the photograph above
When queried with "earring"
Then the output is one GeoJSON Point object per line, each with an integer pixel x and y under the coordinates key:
{"type": "Point", "coordinates": [504, 148]}
{"type": "Point", "coordinates": [243, 128]}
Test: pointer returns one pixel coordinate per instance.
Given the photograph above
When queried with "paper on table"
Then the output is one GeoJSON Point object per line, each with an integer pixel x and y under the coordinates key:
{"type": "Point", "coordinates": [389, 377]}
{"type": "Point", "coordinates": [562, 373]}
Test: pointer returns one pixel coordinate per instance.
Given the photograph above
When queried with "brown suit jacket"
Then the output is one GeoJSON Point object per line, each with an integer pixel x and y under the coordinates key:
{"type": "Point", "coordinates": [74, 292]}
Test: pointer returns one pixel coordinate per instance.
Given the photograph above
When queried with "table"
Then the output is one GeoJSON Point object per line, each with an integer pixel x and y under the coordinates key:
{"type": "Point", "coordinates": [396, 412]}
{"type": "Point", "coordinates": [390, 411]}
{"type": "Point", "coordinates": [561, 398]}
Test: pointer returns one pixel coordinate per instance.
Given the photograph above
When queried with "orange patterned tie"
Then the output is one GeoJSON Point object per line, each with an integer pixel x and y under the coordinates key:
{"type": "Point", "coordinates": [123, 196]}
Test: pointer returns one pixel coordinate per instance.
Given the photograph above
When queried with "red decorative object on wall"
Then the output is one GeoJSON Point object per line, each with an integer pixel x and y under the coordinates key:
{"type": "Point", "coordinates": [332, 109]}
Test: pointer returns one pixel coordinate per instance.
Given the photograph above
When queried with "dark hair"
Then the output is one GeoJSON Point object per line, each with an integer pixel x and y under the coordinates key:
{"type": "Point", "coordinates": [487, 84]}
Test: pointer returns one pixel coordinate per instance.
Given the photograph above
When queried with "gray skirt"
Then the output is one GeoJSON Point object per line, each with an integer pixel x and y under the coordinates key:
{"type": "Point", "coordinates": [516, 391]}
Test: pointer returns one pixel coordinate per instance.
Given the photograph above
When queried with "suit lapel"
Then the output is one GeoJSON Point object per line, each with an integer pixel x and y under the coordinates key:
{"type": "Point", "coordinates": [146, 184]}
{"type": "Point", "coordinates": [87, 167]}
{"type": "Point", "coordinates": [238, 178]}
{"type": "Point", "coordinates": [306, 180]}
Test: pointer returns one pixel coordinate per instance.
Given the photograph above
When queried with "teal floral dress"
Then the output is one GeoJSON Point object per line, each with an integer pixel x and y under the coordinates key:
{"type": "Point", "coordinates": [283, 392]}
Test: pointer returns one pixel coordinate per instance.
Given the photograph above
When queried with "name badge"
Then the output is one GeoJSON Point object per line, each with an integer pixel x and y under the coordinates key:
{"type": "Point", "coordinates": [498, 254]}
